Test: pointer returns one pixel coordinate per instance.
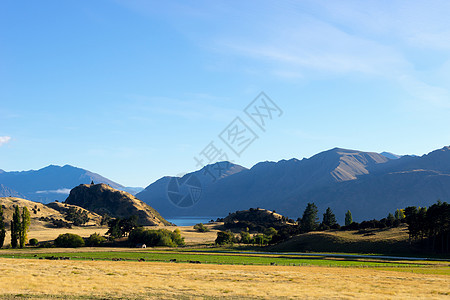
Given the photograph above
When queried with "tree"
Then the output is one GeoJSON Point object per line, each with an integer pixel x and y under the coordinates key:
{"type": "Point", "coordinates": [201, 228]}
{"type": "Point", "coordinates": [2, 228]}
{"type": "Point", "coordinates": [33, 242]}
{"type": "Point", "coordinates": [310, 221]}
{"type": "Point", "coordinates": [390, 220]}
{"type": "Point", "coordinates": [329, 219]}
{"type": "Point", "coordinates": [245, 237]}
{"type": "Point", "coordinates": [348, 218]}
{"type": "Point", "coordinates": [15, 227]}
{"type": "Point", "coordinates": [69, 240]}
{"type": "Point", "coordinates": [95, 240]}
{"type": "Point", "coordinates": [121, 227]}
{"type": "Point", "coordinates": [224, 237]}
{"type": "Point", "coordinates": [24, 225]}
{"type": "Point", "coordinates": [399, 214]}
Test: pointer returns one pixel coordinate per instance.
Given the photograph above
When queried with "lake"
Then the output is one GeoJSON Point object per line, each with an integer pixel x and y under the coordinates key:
{"type": "Point", "coordinates": [190, 221]}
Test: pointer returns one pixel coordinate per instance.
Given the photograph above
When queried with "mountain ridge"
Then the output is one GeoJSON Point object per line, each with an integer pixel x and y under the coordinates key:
{"type": "Point", "coordinates": [368, 183]}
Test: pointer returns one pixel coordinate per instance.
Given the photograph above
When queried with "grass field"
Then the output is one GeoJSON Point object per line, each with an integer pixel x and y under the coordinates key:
{"type": "Point", "coordinates": [115, 273]}
{"type": "Point", "coordinates": [153, 280]}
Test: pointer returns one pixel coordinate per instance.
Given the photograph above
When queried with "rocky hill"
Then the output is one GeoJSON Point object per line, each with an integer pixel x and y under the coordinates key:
{"type": "Point", "coordinates": [103, 199]}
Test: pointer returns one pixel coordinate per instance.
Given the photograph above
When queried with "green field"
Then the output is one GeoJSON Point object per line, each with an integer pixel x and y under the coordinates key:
{"type": "Point", "coordinates": [232, 258]}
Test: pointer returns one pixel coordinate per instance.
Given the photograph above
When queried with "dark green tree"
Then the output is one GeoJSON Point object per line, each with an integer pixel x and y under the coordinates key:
{"type": "Point", "coordinates": [69, 240]}
{"type": "Point", "coordinates": [2, 228]}
{"type": "Point", "coordinates": [225, 237]}
{"type": "Point", "coordinates": [348, 218]}
{"type": "Point", "coordinates": [390, 220]}
{"type": "Point", "coordinates": [15, 227]}
{"type": "Point", "coordinates": [24, 225]}
{"type": "Point", "coordinates": [310, 220]}
{"type": "Point", "coordinates": [329, 219]}
{"type": "Point", "coordinates": [245, 237]}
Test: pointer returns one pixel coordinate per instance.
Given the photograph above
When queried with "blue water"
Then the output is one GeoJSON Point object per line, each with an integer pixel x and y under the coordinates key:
{"type": "Point", "coordinates": [190, 221]}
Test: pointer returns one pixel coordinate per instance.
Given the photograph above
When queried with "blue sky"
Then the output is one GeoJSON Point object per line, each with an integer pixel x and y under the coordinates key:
{"type": "Point", "coordinates": [134, 90]}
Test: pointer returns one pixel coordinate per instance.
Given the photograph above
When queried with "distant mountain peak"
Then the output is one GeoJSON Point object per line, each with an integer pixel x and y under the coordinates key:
{"type": "Point", "coordinates": [390, 155]}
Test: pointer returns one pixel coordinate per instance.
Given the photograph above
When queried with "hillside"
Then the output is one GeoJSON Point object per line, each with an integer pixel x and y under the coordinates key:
{"type": "Point", "coordinates": [381, 241]}
{"type": "Point", "coordinates": [37, 210]}
{"type": "Point", "coordinates": [103, 199]}
{"type": "Point", "coordinates": [64, 207]}
{"type": "Point", "coordinates": [369, 184]}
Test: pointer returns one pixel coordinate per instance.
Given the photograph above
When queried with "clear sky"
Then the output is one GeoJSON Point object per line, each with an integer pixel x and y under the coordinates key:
{"type": "Point", "coordinates": [134, 90]}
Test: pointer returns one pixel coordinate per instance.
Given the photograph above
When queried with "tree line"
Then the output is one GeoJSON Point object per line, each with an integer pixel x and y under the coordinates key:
{"type": "Point", "coordinates": [430, 226]}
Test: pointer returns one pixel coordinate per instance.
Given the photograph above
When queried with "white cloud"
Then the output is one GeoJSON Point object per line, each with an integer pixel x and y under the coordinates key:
{"type": "Point", "coordinates": [4, 140]}
{"type": "Point", "coordinates": [58, 191]}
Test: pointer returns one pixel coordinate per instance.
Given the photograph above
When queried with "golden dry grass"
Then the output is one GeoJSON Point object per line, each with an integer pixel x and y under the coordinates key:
{"type": "Point", "coordinates": [147, 280]}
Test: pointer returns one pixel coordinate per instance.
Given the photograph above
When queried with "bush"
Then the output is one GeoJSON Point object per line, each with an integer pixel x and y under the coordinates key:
{"type": "Point", "coordinates": [69, 240]}
{"type": "Point", "coordinates": [160, 237]}
{"type": "Point", "coordinates": [95, 240]}
{"type": "Point", "coordinates": [33, 242]}
{"type": "Point", "coordinates": [201, 228]}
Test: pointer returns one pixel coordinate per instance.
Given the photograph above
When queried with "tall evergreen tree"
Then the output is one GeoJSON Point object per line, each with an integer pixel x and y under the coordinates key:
{"type": "Point", "coordinates": [310, 220]}
{"type": "Point", "coordinates": [2, 228]}
{"type": "Point", "coordinates": [23, 234]}
{"type": "Point", "coordinates": [15, 227]}
{"type": "Point", "coordinates": [348, 218]}
{"type": "Point", "coordinates": [329, 219]}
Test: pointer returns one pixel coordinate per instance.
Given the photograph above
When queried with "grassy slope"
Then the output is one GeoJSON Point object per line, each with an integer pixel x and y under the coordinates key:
{"type": "Point", "coordinates": [388, 241]}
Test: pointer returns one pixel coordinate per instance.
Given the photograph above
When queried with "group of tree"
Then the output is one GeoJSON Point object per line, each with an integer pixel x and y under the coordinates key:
{"type": "Point", "coordinates": [310, 219]}
{"type": "Point", "coordinates": [2, 228]}
{"type": "Point", "coordinates": [121, 227]}
{"type": "Point", "coordinates": [430, 226]}
{"type": "Point", "coordinates": [244, 237]}
{"type": "Point", "coordinates": [77, 216]}
{"type": "Point", "coordinates": [152, 237]}
{"type": "Point", "coordinates": [19, 227]}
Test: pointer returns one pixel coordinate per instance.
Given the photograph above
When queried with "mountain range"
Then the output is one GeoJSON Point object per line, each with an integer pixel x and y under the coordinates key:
{"type": "Point", "coordinates": [368, 184]}
{"type": "Point", "coordinates": [50, 183]}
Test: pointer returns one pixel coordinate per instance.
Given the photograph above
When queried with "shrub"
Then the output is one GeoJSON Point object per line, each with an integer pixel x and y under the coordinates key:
{"type": "Point", "coordinates": [160, 237]}
{"type": "Point", "coordinates": [33, 242]}
{"type": "Point", "coordinates": [69, 240]}
{"type": "Point", "coordinates": [95, 240]}
{"type": "Point", "coordinates": [201, 228]}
